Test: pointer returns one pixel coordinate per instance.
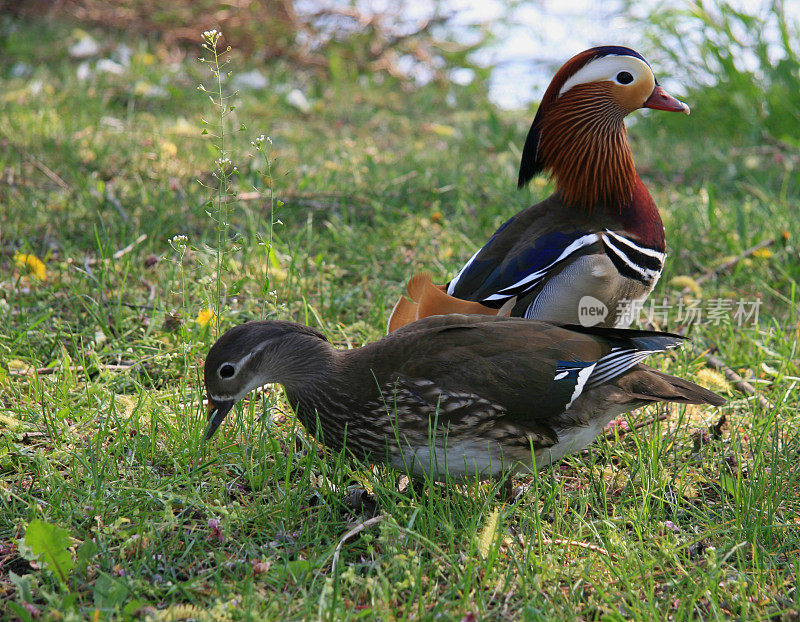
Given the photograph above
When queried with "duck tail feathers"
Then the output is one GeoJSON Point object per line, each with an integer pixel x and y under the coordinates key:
{"type": "Point", "coordinates": [652, 385]}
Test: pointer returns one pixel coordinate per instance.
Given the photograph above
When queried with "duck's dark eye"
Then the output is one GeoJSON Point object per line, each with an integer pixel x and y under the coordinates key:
{"type": "Point", "coordinates": [226, 371]}
{"type": "Point", "coordinates": [623, 77]}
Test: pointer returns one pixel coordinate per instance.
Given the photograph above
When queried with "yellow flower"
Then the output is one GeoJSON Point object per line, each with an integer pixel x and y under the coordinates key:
{"type": "Point", "coordinates": [204, 316]}
{"type": "Point", "coordinates": [168, 149]}
{"type": "Point", "coordinates": [683, 282]}
{"type": "Point", "coordinates": [173, 613]}
{"type": "Point", "coordinates": [488, 533]}
{"type": "Point", "coordinates": [32, 264]}
{"type": "Point", "coordinates": [712, 379]}
{"type": "Point", "coordinates": [762, 253]}
{"type": "Point", "coordinates": [146, 59]}
{"type": "Point", "coordinates": [441, 130]}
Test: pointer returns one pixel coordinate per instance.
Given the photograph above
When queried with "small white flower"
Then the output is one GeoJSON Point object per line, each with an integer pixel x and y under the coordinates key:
{"type": "Point", "coordinates": [179, 243]}
{"type": "Point", "coordinates": [259, 142]}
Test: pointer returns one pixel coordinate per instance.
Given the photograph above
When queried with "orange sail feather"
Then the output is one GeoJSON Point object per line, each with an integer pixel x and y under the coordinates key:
{"type": "Point", "coordinates": [425, 299]}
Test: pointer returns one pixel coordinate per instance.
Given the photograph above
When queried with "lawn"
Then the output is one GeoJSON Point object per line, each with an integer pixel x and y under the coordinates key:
{"type": "Point", "coordinates": [125, 251]}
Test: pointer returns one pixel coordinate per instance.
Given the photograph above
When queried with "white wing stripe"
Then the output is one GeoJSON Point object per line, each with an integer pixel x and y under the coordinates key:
{"type": "Point", "coordinates": [583, 376]}
{"type": "Point", "coordinates": [585, 240]}
{"type": "Point", "coordinates": [452, 287]}
{"type": "Point", "coordinates": [606, 370]}
{"type": "Point", "coordinates": [644, 250]}
{"type": "Point", "coordinates": [648, 274]}
{"type": "Point", "coordinates": [532, 280]}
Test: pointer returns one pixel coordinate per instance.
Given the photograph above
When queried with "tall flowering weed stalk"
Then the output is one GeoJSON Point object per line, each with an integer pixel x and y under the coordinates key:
{"type": "Point", "coordinates": [219, 207]}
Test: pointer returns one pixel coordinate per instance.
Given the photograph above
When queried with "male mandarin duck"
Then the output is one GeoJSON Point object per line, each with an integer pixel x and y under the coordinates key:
{"type": "Point", "coordinates": [457, 395]}
{"type": "Point", "coordinates": [599, 235]}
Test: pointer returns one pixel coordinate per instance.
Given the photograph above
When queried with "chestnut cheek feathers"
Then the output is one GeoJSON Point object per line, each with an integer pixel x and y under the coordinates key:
{"type": "Point", "coordinates": [631, 96]}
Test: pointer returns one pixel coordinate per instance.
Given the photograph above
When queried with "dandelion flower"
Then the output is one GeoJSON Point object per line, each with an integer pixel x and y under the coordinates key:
{"type": "Point", "coordinates": [204, 317]}
{"type": "Point", "coordinates": [32, 264]}
{"type": "Point", "coordinates": [684, 282]}
{"type": "Point", "coordinates": [712, 379]}
{"type": "Point", "coordinates": [762, 253]}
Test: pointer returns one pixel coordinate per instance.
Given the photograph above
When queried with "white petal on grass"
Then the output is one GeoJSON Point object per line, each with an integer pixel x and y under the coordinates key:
{"type": "Point", "coordinates": [106, 65]}
{"type": "Point", "coordinates": [298, 100]}
{"type": "Point", "coordinates": [251, 80]}
{"type": "Point", "coordinates": [84, 48]}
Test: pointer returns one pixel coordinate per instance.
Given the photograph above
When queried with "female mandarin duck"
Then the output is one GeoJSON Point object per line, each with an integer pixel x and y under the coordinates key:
{"type": "Point", "coordinates": [458, 395]}
{"type": "Point", "coordinates": [599, 235]}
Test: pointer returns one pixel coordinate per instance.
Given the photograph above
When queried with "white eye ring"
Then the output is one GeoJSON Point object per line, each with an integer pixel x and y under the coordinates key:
{"type": "Point", "coordinates": [226, 371]}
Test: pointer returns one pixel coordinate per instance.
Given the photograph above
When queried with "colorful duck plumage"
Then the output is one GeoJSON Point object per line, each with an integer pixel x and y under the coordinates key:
{"type": "Point", "coordinates": [600, 234]}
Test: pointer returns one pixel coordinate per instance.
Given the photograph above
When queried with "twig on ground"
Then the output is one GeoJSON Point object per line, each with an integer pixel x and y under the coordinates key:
{"type": "Point", "coordinates": [619, 433]}
{"type": "Point", "coordinates": [49, 172]}
{"type": "Point", "coordinates": [583, 545]}
{"type": "Point", "coordinates": [731, 376]}
{"type": "Point", "coordinates": [124, 251]}
{"type": "Point", "coordinates": [91, 261]}
{"type": "Point", "coordinates": [777, 142]}
{"type": "Point", "coordinates": [578, 543]}
{"type": "Point", "coordinates": [151, 291]}
{"type": "Point", "coordinates": [51, 175]}
{"type": "Point", "coordinates": [144, 316]}
{"type": "Point", "coordinates": [354, 532]}
{"type": "Point", "coordinates": [727, 265]}
{"type": "Point", "coordinates": [46, 371]}
{"type": "Point", "coordinates": [116, 204]}
{"type": "Point", "coordinates": [250, 196]}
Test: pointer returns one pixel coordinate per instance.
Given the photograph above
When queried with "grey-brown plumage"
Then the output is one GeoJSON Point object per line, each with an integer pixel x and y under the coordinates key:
{"type": "Point", "coordinates": [463, 394]}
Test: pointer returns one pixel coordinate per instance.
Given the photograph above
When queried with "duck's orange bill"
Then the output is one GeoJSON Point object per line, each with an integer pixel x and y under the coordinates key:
{"type": "Point", "coordinates": [661, 100]}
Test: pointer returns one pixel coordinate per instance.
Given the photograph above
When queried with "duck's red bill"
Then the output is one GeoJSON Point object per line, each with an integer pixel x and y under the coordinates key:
{"type": "Point", "coordinates": [661, 100]}
{"type": "Point", "coordinates": [216, 414]}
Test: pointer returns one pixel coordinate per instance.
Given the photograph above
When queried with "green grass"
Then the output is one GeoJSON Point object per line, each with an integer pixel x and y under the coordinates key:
{"type": "Point", "coordinates": [375, 183]}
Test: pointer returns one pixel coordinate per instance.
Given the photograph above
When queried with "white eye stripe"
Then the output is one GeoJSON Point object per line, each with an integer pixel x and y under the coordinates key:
{"type": "Point", "coordinates": [242, 361]}
{"type": "Point", "coordinates": [606, 68]}
{"type": "Point", "coordinates": [236, 366]}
